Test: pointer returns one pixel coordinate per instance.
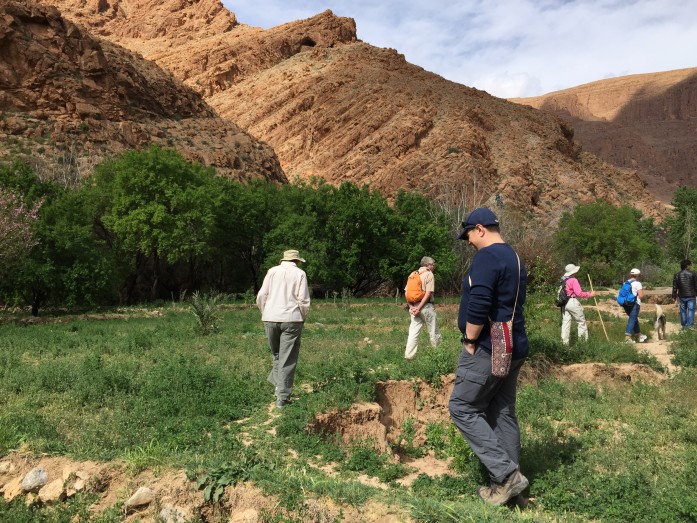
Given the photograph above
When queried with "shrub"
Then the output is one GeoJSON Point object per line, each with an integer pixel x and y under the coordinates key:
{"type": "Point", "coordinates": [205, 308]}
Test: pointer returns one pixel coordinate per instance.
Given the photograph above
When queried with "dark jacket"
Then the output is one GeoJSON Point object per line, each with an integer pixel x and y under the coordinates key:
{"type": "Point", "coordinates": [489, 292]}
{"type": "Point", "coordinates": [685, 284]}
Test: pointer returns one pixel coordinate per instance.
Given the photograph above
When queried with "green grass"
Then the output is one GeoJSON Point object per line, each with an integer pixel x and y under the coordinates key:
{"type": "Point", "coordinates": [146, 388]}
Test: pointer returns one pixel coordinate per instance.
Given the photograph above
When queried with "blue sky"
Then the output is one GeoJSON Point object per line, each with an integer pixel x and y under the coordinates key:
{"type": "Point", "coordinates": [512, 48]}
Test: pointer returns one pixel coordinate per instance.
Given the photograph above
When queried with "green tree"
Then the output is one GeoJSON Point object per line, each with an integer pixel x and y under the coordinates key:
{"type": "Point", "coordinates": [68, 265]}
{"type": "Point", "coordinates": [342, 229]}
{"type": "Point", "coordinates": [245, 213]}
{"type": "Point", "coordinates": [420, 229]}
{"type": "Point", "coordinates": [161, 210]}
{"type": "Point", "coordinates": [606, 240]}
{"type": "Point", "coordinates": [354, 239]}
{"type": "Point", "coordinates": [682, 225]}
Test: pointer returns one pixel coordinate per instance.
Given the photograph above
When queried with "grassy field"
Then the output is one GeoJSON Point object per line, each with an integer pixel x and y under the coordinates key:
{"type": "Point", "coordinates": [141, 386]}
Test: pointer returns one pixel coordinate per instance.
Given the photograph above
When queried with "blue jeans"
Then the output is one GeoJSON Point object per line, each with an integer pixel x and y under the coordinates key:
{"type": "Point", "coordinates": [687, 312]}
{"type": "Point", "coordinates": [633, 322]}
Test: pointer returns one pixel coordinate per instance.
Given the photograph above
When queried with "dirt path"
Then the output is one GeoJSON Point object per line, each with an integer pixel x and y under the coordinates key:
{"type": "Point", "coordinates": [654, 346]}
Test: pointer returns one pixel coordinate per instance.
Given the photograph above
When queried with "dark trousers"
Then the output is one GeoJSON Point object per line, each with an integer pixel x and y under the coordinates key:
{"type": "Point", "coordinates": [482, 407]}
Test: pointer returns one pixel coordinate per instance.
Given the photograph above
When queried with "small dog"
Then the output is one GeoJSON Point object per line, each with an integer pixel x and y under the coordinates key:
{"type": "Point", "coordinates": [659, 323]}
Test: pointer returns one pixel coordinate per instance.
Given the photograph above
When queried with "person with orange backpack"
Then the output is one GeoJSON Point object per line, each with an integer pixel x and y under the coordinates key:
{"type": "Point", "coordinates": [419, 292]}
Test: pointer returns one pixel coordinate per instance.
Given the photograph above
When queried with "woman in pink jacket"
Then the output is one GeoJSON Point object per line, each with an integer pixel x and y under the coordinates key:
{"type": "Point", "coordinates": [573, 310]}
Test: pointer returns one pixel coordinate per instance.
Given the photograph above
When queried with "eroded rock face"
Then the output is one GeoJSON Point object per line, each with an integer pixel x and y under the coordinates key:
{"type": "Point", "coordinates": [72, 99]}
{"type": "Point", "coordinates": [339, 109]}
{"type": "Point", "coordinates": [646, 122]}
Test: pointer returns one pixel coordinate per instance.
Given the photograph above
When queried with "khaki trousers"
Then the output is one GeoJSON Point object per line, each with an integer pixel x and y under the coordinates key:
{"type": "Point", "coordinates": [573, 311]}
{"type": "Point", "coordinates": [427, 317]}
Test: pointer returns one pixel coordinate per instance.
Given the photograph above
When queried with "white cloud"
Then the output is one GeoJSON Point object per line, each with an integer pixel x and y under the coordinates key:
{"type": "Point", "coordinates": [512, 47]}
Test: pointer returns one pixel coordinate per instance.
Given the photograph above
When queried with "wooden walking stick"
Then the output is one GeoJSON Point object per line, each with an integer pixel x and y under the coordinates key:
{"type": "Point", "coordinates": [597, 309]}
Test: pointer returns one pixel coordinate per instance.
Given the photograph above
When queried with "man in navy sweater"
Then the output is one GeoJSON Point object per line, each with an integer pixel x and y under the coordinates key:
{"type": "Point", "coordinates": [482, 406]}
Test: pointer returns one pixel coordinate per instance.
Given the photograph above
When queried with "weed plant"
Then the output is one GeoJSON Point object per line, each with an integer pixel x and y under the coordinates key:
{"type": "Point", "coordinates": [139, 386]}
{"type": "Point", "coordinates": [205, 308]}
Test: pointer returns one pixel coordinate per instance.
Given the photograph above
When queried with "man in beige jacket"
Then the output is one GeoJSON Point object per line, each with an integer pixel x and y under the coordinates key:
{"type": "Point", "coordinates": [284, 301]}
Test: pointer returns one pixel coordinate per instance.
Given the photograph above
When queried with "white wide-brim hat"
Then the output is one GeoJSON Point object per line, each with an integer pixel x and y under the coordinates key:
{"type": "Point", "coordinates": [571, 269]}
{"type": "Point", "coordinates": [292, 255]}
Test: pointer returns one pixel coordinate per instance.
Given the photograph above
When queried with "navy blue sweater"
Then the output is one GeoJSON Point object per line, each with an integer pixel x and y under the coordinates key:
{"type": "Point", "coordinates": [489, 292]}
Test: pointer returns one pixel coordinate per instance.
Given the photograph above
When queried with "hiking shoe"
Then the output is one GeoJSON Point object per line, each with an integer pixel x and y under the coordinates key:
{"type": "Point", "coordinates": [642, 338]}
{"type": "Point", "coordinates": [499, 493]}
{"type": "Point", "coordinates": [281, 403]}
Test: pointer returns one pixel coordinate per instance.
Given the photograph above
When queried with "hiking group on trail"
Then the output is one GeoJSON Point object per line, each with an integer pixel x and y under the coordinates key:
{"type": "Point", "coordinates": [494, 341]}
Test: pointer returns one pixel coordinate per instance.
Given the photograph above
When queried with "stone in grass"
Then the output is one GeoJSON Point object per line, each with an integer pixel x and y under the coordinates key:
{"type": "Point", "coordinates": [54, 491]}
{"type": "Point", "coordinates": [34, 480]}
{"type": "Point", "coordinates": [142, 497]}
{"type": "Point", "coordinates": [172, 514]}
{"type": "Point", "coordinates": [12, 489]}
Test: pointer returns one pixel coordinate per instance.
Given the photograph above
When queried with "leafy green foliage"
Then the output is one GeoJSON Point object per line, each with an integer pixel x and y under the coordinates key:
{"type": "Point", "coordinates": [159, 203]}
{"type": "Point", "coordinates": [607, 241]}
{"type": "Point", "coordinates": [148, 225]}
{"type": "Point", "coordinates": [69, 265]}
{"type": "Point", "coordinates": [682, 224]}
{"type": "Point", "coordinates": [364, 458]}
{"type": "Point", "coordinates": [215, 480]}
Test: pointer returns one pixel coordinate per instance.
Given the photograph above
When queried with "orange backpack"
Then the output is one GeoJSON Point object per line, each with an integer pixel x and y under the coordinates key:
{"type": "Point", "coordinates": [413, 292]}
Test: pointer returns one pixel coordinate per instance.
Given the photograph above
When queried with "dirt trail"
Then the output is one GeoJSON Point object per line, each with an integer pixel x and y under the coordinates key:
{"type": "Point", "coordinates": [654, 346]}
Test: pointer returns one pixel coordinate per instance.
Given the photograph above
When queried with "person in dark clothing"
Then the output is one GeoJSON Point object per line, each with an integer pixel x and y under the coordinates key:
{"type": "Point", "coordinates": [482, 406]}
{"type": "Point", "coordinates": [685, 290]}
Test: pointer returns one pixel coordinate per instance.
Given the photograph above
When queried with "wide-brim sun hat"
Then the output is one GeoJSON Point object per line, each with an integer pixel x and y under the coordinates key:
{"type": "Point", "coordinates": [292, 255]}
{"type": "Point", "coordinates": [571, 269]}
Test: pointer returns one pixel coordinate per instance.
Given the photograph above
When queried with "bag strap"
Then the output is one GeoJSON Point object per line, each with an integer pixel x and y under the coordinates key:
{"type": "Point", "coordinates": [518, 289]}
{"type": "Point", "coordinates": [515, 304]}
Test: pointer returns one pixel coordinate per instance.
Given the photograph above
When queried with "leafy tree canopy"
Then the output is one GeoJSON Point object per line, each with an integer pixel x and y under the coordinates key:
{"type": "Point", "coordinates": [682, 225]}
{"type": "Point", "coordinates": [160, 203]}
{"type": "Point", "coordinates": [606, 240]}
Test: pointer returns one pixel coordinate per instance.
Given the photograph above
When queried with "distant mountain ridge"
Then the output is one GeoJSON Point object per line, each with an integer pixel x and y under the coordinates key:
{"type": "Point", "coordinates": [646, 122]}
{"type": "Point", "coordinates": [337, 108]}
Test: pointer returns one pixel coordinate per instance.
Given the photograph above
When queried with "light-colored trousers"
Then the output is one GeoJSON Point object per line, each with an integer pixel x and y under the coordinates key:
{"type": "Point", "coordinates": [573, 311]}
{"type": "Point", "coordinates": [284, 340]}
{"type": "Point", "coordinates": [426, 316]}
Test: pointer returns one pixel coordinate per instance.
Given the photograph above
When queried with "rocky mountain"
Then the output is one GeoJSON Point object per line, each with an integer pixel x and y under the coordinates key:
{"type": "Point", "coordinates": [68, 99]}
{"type": "Point", "coordinates": [646, 122]}
{"type": "Point", "coordinates": [337, 108]}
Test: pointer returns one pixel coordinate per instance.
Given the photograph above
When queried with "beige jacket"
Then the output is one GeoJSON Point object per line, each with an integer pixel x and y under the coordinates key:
{"type": "Point", "coordinates": [284, 296]}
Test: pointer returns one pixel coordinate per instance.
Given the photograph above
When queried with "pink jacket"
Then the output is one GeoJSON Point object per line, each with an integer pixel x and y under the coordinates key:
{"type": "Point", "coordinates": [573, 289]}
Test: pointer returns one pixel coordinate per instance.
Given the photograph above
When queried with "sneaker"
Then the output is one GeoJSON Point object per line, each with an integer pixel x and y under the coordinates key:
{"type": "Point", "coordinates": [281, 403]}
{"type": "Point", "coordinates": [499, 493]}
{"type": "Point", "coordinates": [642, 338]}
{"type": "Point", "coordinates": [629, 340]}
